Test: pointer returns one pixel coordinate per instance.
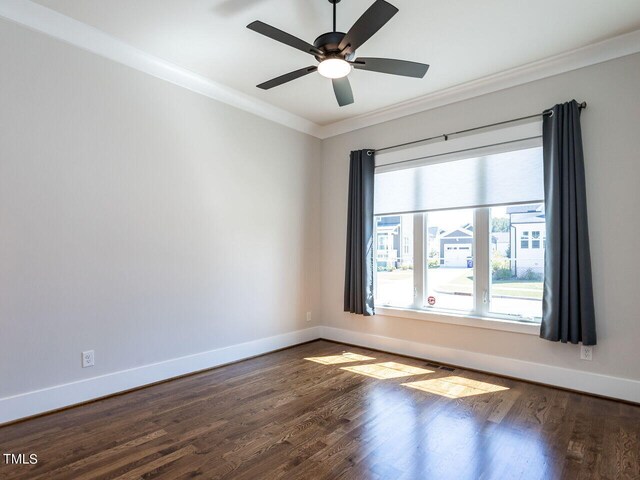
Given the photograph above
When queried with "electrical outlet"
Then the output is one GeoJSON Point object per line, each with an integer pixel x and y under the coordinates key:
{"type": "Point", "coordinates": [88, 359]}
{"type": "Point", "coordinates": [586, 352]}
{"type": "Point", "coordinates": [308, 316]}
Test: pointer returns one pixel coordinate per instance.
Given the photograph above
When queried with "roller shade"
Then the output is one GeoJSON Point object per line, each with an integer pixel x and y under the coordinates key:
{"type": "Point", "coordinates": [481, 179]}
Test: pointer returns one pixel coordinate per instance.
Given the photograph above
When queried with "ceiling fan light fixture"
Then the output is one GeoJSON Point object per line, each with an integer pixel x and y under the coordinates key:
{"type": "Point", "coordinates": [334, 68]}
{"type": "Point", "coordinates": [336, 51]}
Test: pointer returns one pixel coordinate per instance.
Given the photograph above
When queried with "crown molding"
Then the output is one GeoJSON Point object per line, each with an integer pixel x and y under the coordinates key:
{"type": "Point", "coordinates": [610, 49]}
{"type": "Point", "coordinates": [86, 37]}
{"type": "Point", "coordinates": [74, 32]}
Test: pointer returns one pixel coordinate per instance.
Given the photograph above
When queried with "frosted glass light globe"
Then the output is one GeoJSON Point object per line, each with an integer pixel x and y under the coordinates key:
{"type": "Point", "coordinates": [334, 68]}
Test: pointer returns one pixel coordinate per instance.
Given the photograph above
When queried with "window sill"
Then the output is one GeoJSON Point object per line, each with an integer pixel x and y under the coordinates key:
{"type": "Point", "coordinates": [461, 319]}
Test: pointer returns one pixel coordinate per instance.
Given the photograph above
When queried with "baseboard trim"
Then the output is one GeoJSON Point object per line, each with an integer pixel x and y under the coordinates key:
{"type": "Point", "coordinates": [568, 379]}
{"type": "Point", "coordinates": [46, 400]}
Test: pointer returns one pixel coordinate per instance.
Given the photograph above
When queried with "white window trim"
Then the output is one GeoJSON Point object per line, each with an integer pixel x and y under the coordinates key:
{"type": "Point", "coordinates": [536, 239]}
{"type": "Point", "coordinates": [492, 323]}
{"type": "Point", "coordinates": [481, 317]}
{"type": "Point", "coordinates": [481, 270]}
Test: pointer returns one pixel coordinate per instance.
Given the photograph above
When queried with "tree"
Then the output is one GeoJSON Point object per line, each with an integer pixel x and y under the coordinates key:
{"type": "Point", "coordinates": [500, 224]}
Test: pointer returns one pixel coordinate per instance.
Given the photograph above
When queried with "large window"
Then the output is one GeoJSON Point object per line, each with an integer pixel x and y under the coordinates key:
{"type": "Point", "coordinates": [464, 236]}
{"type": "Point", "coordinates": [516, 274]}
{"type": "Point", "coordinates": [449, 268]}
{"type": "Point", "coordinates": [394, 260]}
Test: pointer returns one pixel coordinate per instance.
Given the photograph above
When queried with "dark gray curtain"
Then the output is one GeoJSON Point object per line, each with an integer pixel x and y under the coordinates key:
{"type": "Point", "coordinates": [568, 312]}
{"type": "Point", "coordinates": [358, 283]}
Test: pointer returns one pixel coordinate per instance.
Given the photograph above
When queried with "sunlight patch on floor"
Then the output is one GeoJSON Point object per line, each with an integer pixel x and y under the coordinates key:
{"type": "Point", "coordinates": [455, 387]}
{"type": "Point", "coordinates": [337, 359]}
{"type": "Point", "coordinates": [386, 370]}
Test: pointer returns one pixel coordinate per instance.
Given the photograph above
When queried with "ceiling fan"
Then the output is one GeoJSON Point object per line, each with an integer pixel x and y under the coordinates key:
{"type": "Point", "coordinates": [336, 51]}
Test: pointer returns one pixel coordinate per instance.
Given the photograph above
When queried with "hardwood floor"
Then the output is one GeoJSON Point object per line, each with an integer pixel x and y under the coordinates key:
{"type": "Point", "coordinates": [325, 410]}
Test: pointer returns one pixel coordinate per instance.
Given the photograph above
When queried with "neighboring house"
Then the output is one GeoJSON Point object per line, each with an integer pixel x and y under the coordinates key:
{"type": "Point", "coordinates": [500, 242]}
{"type": "Point", "coordinates": [456, 247]}
{"type": "Point", "coordinates": [524, 243]}
{"type": "Point", "coordinates": [394, 242]}
{"type": "Point", "coordinates": [527, 237]}
{"type": "Point", "coordinates": [434, 235]}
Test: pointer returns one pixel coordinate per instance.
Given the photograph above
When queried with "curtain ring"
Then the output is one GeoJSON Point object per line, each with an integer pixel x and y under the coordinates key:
{"type": "Point", "coordinates": [370, 152]}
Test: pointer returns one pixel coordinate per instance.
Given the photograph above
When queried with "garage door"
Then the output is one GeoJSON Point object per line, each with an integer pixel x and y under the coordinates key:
{"type": "Point", "coordinates": [456, 255]}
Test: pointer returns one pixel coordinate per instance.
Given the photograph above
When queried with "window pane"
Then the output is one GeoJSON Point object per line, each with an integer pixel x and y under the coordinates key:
{"type": "Point", "coordinates": [394, 260]}
{"type": "Point", "coordinates": [517, 271]}
{"type": "Point", "coordinates": [449, 278]}
{"type": "Point", "coordinates": [535, 239]}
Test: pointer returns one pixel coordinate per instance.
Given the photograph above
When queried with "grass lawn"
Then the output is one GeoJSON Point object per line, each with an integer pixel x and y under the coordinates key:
{"type": "Point", "coordinates": [517, 288]}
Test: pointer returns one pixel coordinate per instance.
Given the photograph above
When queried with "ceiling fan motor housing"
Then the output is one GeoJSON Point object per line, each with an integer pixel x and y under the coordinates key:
{"type": "Point", "coordinates": [329, 43]}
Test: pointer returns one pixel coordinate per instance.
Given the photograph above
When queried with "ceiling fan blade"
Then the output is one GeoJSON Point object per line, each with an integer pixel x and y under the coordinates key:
{"type": "Point", "coordinates": [367, 25]}
{"type": "Point", "coordinates": [287, 77]}
{"type": "Point", "coordinates": [342, 89]}
{"type": "Point", "coordinates": [391, 66]}
{"type": "Point", "coordinates": [283, 37]}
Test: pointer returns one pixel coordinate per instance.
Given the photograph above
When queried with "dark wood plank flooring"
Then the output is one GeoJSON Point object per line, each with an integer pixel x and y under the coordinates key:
{"type": "Point", "coordinates": [352, 414]}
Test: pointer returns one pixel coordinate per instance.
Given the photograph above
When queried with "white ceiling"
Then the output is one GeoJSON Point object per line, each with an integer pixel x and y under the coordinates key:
{"type": "Point", "coordinates": [462, 40]}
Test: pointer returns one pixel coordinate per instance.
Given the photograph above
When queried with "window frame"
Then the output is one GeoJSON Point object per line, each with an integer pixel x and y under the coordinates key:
{"type": "Point", "coordinates": [535, 239]}
{"type": "Point", "coordinates": [481, 316]}
{"type": "Point", "coordinates": [481, 246]}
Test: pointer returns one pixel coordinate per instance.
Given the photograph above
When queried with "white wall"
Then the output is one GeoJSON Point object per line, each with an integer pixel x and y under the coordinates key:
{"type": "Point", "coordinates": [140, 219]}
{"type": "Point", "coordinates": [150, 223]}
{"type": "Point", "coordinates": [611, 143]}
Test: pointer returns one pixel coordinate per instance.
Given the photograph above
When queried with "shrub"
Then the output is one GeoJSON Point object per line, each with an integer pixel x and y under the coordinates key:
{"type": "Point", "coordinates": [531, 276]}
{"type": "Point", "coordinates": [500, 269]}
{"type": "Point", "coordinates": [501, 274]}
{"type": "Point", "coordinates": [433, 261]}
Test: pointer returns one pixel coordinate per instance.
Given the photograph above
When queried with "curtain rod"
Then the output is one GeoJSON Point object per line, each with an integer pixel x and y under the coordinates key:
{"type": "Point", "coordinates": [458, 151]}
{"type": "Point", "coordinates": [447, 135]}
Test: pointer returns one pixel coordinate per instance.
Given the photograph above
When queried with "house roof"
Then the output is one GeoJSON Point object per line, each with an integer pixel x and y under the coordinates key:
{"type": "Point", "coordinates": [534, 217]}
{"type": "Point", "coordinates": [458, 232]}
{"type": "Point", "coordinates": [387, 229]}
{"type": "Point", "coordinates": [389, 221]}
{"type": "Point", "coordinates": [536, 207]}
